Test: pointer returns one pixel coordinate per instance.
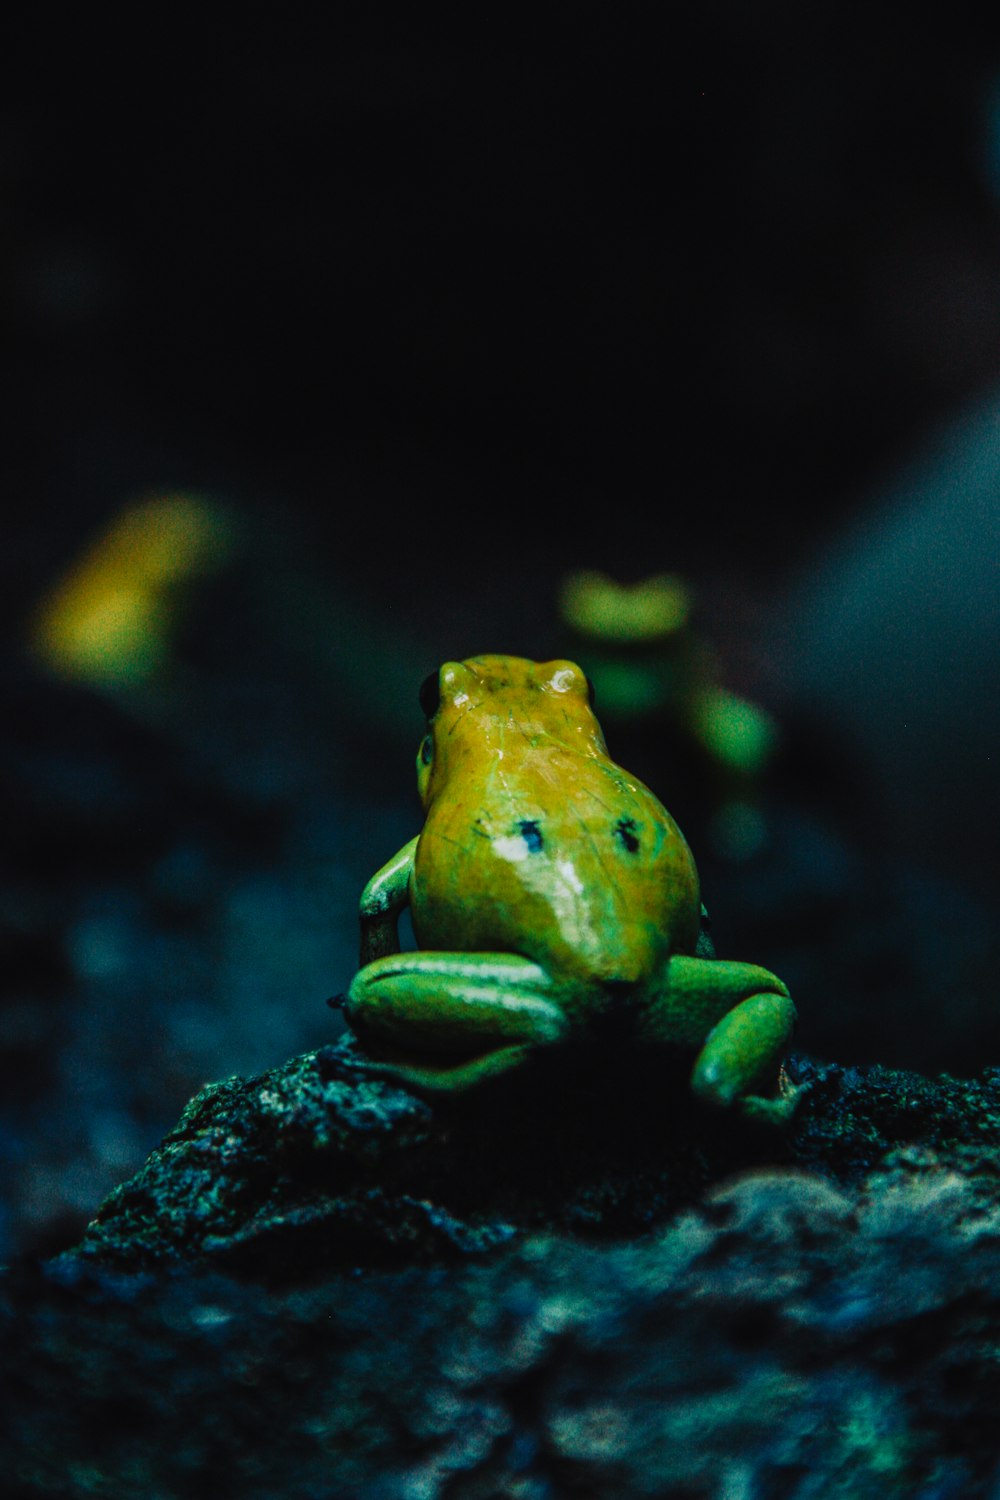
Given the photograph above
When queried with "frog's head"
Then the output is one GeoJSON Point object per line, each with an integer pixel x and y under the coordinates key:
{"type": "Point", "coordinates": [489, 709]}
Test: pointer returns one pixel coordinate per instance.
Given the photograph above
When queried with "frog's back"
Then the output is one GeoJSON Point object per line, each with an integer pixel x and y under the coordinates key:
{"type": "Point", "coordinates": [568, 860]}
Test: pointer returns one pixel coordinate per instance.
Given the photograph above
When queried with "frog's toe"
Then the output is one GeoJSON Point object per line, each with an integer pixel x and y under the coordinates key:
{"type": "Point", "coordinates": [435, 1078]}
{"type": "Point", "coordinates": [741, 1059]}
{"type": "Point", "coordinates": [775, 1111]}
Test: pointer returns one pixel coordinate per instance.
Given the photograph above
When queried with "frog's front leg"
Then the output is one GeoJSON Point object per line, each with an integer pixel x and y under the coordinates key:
{"type": "Point", "coordinates": [382, 900]}
{"type": "Point", "coordinates": [745, 1016]}
{"type": "Point", "coordinates": [443, 1022]}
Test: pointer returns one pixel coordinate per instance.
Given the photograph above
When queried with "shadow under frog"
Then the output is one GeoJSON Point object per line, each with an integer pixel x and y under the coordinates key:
{"type": "Point", "coordinates": [554, 900]}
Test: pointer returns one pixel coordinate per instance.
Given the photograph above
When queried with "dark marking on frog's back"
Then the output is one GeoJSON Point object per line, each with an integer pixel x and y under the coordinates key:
{"type": "Point", "coordinates": [531, 833]}
{"type": "Point", "coordinates": [625, 833]}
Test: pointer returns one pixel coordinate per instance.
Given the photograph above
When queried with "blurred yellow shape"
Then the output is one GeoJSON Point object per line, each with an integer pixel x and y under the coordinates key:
{"type": "Point", "coordinates": [108, 619]}
{"type": "Point", "coordinates": [597, 606]}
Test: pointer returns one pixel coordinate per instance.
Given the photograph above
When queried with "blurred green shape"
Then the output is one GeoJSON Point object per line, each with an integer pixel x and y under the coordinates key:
{"type": "Point", "coordinates": [735, 731]}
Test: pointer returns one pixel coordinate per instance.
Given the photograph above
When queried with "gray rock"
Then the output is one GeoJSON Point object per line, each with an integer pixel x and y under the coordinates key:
{"type": "Point", "coordinates": [319, 1285]}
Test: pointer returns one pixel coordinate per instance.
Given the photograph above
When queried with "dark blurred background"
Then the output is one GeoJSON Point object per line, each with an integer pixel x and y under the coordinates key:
{"type": "Point", "coordinates": [420, 317]}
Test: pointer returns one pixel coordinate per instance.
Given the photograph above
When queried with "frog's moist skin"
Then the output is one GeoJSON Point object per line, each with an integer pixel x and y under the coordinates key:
{"type": "Point", "coordinates": [548, 889]}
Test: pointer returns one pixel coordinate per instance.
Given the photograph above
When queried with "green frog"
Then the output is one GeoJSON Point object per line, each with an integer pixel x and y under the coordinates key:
{"type": "Point", "coordinates": [551, 893]}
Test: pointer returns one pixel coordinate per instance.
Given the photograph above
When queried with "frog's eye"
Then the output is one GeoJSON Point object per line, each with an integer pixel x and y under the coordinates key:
{"type": "Point", "coordinates": [426, 750]}
{"type": "Point", "coordinates": [430, 695]}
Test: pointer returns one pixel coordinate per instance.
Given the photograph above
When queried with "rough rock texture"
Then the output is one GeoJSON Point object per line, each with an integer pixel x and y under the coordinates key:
{"type": "Point", "coordinates": [320, 1286]}
{"type": "Point", "coordinates": [318, 1164]}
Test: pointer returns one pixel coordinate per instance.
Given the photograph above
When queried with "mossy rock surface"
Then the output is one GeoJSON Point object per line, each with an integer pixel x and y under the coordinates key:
{"type": "Point", "coordinates": [317, 1164]}
{"type": "Point", "coordinates": [322, 1285]}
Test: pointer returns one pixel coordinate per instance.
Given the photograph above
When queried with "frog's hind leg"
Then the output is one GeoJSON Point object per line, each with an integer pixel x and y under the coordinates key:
{"type": "Point", "coordinates": [744, 1017]}
{"type": "Point", "coordinates": [741, 1061]}
{"type": "Point", "coordinates": [444, 1022]}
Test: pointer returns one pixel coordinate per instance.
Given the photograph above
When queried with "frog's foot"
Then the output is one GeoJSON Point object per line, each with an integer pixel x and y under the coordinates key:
{"type": "Point", "coordinates": [738, 1019]}
{"type": "Point", "coordinates": [445, 1022]}
{"type": "Point", "coordinates": [776, 1110]}
{"type": "Point", "coordinates": [740, 1064]}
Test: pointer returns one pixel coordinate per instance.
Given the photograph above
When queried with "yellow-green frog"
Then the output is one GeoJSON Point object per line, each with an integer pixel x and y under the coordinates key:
{"type": "Point", "coordinates": [549, 891]}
